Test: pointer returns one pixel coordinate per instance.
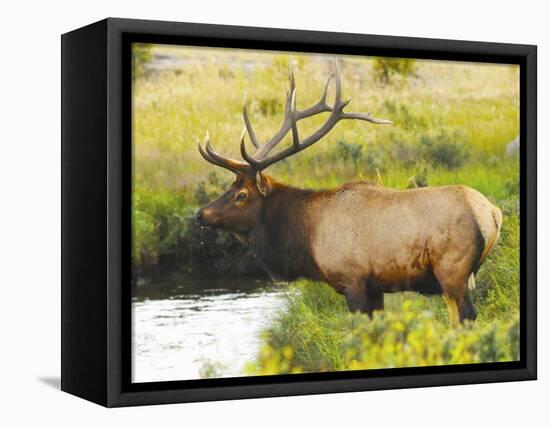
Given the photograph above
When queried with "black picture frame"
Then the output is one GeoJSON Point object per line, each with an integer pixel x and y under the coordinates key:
{"type": "Point", "coordinates": [96, 235]}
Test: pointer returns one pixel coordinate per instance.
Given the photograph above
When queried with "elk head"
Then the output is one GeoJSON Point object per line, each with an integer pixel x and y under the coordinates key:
{"type": "Point", "coordinates": [238, 208]}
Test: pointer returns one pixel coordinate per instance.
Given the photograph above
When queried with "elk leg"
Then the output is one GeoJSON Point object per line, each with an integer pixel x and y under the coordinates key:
{"type": "Point", "coordinates": [453, 273]}
{"type": "Point", "coordinates": [375, 301]}
{"type": "Point", "coordinates": [454, 293]}
{"type": "Point", "coordinates": [452, 307]}
{"type": "Point", "coordinates": [467, 310]}
{"type": "Point", "coordinates": [356, 297]}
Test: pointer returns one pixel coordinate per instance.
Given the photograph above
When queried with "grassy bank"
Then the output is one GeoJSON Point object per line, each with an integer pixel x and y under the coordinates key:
{"type": "Point", "coordinates": [316, 333]}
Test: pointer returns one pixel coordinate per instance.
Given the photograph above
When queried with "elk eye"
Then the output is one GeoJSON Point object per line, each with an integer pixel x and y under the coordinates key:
{"type": "Point", "coordinates": [241, 196]}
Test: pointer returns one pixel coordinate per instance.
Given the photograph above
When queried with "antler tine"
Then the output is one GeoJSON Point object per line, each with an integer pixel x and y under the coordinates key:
{"type": "Point", "coordinates": [337, 87]}
{"type": "Point", "coordinates": [319, 107]}
{"type": "Point", "coordinates": [291, 78]}
{"type": "Point", "coordinates": [260, 161]}
{"type": "Point", "coordinates": [207, 157]}
{"type": "Point", "coordinates": [365, 117]}
{"type": "Point", "coordinates": [247, 157]}
{"type": "Point", "coordinates": [248, 125]}
{"type": "Point", "coordinates": [265, 149]}
{"type": "Point", "coordinates": [292, 117]}
{"type": "Point", "coordinates": [219, 160]}
{"type": "Point", "coordinates": [288, 122]}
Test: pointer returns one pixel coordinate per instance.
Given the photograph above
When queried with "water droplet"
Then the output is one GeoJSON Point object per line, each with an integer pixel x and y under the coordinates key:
{"type": "Point", "coordinates": [202, 235]}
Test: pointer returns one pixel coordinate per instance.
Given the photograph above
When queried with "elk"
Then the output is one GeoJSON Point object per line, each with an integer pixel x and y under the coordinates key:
{"type": "Point", "coordinates": [361, 238]}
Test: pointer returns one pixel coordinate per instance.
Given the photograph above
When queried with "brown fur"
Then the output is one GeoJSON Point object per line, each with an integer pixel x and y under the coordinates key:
{"type": "Point", "coordinates": [364, 240]}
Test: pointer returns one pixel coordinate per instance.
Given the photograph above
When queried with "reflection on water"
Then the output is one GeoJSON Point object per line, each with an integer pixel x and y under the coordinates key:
{"type": "Point", "coordinates": [181, 326]}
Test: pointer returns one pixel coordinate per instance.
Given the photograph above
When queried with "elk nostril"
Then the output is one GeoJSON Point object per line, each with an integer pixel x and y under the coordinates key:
{"type": "Point", "coordinates": [199, 216]}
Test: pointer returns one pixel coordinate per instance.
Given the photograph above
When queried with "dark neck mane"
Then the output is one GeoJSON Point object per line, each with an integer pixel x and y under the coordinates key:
{"type": "Point", "coordinates": [282, 238]}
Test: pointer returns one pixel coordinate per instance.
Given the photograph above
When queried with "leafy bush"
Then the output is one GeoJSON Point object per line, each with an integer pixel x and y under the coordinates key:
{"type": "Point", "coordinates": [157, 220]}
{"type": "Point", "coordinates": [349, 151]}
{"type": "Point", "coordinates": [413, 337]}
{"type": "Point", "coordinates": [443, 150]}
{"type": "Point", "coordinates": [433, 151]}
{"type": "Point", "coordinates": [209, 189]}
{"type": "Point", "coordinates": [166, 237]}
{"type": "Point", "coordinates": [420, 178]}
{"type": "Point", "coordinates": [141, 54]}
{"type": "Point", "coordinates": [405, 153]}
{"type": "Point", "coordinates": [269, 106]}
{"type": "Point", "coordinates": [386, 68]}
{"type": "Point", "coordinates": [375, 158]}
{"type": "Point", "coordinates": [212, 369]}
{"type": "Point", "coordinates": [407, 118]}
{"type": "Point", "coordinates": [406, 338]}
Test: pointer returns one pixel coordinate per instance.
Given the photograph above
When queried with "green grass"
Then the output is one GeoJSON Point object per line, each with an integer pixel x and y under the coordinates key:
{"type": "Point", "coordinates": [173, 110]}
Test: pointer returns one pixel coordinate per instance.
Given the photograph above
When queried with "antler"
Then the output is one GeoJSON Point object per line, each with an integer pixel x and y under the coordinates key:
{"type": "Point", "coordinates": [261, 160]}
{"type": "Point", "coordinates": [213, 157]}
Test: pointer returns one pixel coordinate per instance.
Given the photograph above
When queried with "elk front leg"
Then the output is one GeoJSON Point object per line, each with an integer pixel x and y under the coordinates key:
{"type": "Point", "coordinates": [361, 298]}
{"type": "Point", "coordinates": [356, 296]}
{"type": "Point", "coordinates": [375, 301]}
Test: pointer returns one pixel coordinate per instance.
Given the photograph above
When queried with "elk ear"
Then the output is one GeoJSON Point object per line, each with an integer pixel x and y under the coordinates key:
{"type": "Point", "coordinates": [263, 184]}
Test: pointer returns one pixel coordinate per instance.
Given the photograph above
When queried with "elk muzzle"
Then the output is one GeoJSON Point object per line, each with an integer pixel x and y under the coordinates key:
{"type": "Point", "coordinates": [204, 217]}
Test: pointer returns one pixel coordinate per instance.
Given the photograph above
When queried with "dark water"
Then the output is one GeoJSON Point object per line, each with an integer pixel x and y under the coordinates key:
{"type": "Point", "coordinates": [183, 326]}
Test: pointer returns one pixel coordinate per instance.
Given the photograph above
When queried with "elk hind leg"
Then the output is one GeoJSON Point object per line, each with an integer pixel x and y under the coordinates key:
{"type": "Point", "coordinates": [452, 307]}
{"type": "Point", "coordinates": [454, 291]}
{"type": "Point", "coordinates": [467, 310]}
{"type": "Point", "coordinates": [454, 273]}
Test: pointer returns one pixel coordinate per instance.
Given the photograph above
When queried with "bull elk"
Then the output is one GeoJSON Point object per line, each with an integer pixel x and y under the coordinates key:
{"type": "Point", "coordinates": [361, 238]}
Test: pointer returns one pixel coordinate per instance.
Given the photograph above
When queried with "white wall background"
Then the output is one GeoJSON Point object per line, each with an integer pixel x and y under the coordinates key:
{"type": "Point", "coordinates": [30, 200]}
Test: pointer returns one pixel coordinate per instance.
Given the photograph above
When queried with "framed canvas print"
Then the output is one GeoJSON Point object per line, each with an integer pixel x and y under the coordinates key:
{"type": "Point", "coordinates": [252, 212]}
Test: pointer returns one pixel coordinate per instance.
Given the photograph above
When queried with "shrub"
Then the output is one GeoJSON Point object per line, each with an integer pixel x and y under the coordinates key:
{"type": "Point", "coordinates": [166, 237]}
{"type": "Point", "coordinates": [443, 150]}
{"type": "Point", "coordinates": [269, 106]}
{"type": "Point", "coordinates": [406, 118]}
{"type": "Point", "coordinates": [413, 337]}
{"type": "Point", "coordinates": [208, 189]}
{"type": "Point", "coordinates": [157, 219]}
{"type": "Point", "coordinates": [386, 68]}
{"type": "Point", "coordinates": [420, 178]}
{"type": "Point", "coordinates": [349, 151]}
{"type": "Point", "coordinates": [141, 54]}
{"type": "Point", "coordinates": [407, 338]}
{"type": "Point", "coordinates": [375, 158]}
{"type": "Point", "coordinates": [406, 153]}
{"type": "Point", "coordinates": [212, 369]}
